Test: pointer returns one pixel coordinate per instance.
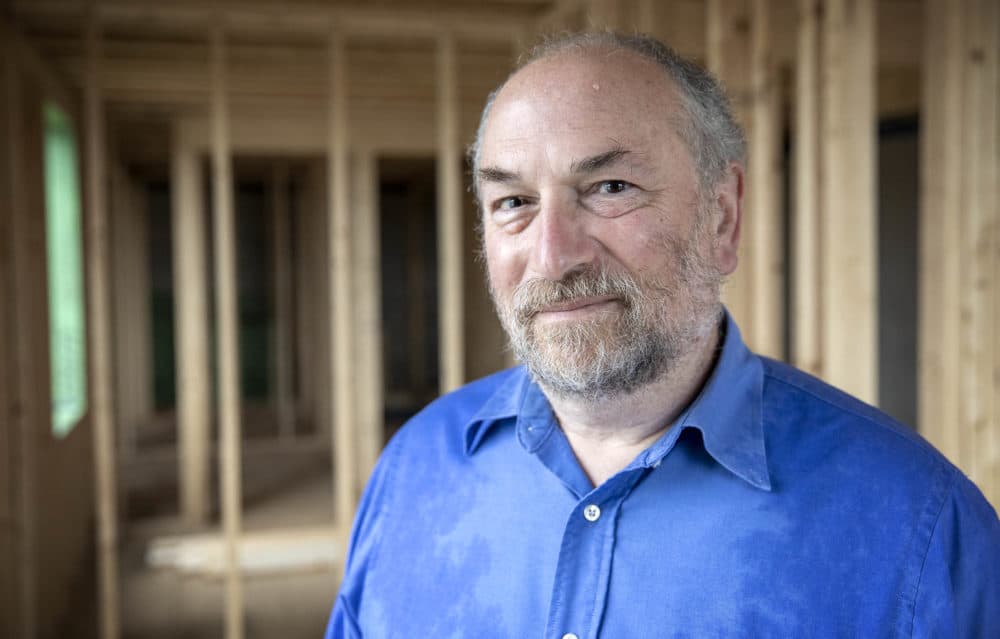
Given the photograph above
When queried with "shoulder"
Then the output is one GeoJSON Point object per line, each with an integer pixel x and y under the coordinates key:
{"type": "Point", "coordinates": [813, 427]}
{"type": "Point", "coordinates": [794, 399]}
{"type": "Point", "coordinates": [435, 437]}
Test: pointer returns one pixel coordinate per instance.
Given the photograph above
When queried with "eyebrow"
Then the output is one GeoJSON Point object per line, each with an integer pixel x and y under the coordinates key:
{"type": "Point", "coordinates": [495, 174]}
{"type": "Point", "coordinates": [599, 161]}
{"type": "Point", "coordinates": [586, 165]}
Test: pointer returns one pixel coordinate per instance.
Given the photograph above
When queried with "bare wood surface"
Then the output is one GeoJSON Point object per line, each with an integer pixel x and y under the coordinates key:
{"type": "Point", "coordinates": [451, 332]}
{"type": "Point", "coordinates": [848, 233]}
{"type": "Point", "coordinates": [807, 295]}
{"type": "Point", "coordinates": [341, 298]}
{"type": "Point", "coordinates": [764, 188]}
{"type": "Point", "coordinates": [22, 423]}
{"type": "Point", "coordinates": [227, 314]}
{"type": "Point", "coordinates": [728, 55]}
{"type": "Point", "coordinates": [941, 172]}
{"type": "Point", "coordinates": [191, 327]}
{"type": "Point", "coordinates": [368, 278]}
{"type": "Point", "coordinates": [98, 323]}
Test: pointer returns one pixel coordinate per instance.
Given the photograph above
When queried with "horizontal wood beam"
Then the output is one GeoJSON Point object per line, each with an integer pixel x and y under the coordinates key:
{"type": "Point", "coordinates": [271, 18]}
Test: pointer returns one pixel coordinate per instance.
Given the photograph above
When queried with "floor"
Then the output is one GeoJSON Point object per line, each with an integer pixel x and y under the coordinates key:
{"type": "Point", "coordinates": [286, 490]}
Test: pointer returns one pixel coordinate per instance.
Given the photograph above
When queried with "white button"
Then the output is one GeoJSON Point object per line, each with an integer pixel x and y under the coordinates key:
{"type": "Point", "coordinates": [591, 513]}
{"type": "Point", "coordinates": [569, 635]}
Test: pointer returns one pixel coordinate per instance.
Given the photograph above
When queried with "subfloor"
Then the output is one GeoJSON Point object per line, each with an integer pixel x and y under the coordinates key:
{"type": "Point", "coordinates": [285, 488]}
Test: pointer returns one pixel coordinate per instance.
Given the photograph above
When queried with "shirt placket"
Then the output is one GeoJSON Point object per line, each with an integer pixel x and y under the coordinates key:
{"type": "Point", "coordinates": [583, 573]}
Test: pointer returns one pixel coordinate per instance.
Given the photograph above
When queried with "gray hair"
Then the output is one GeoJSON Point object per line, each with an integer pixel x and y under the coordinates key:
{"type": "Point", "coordinates": [710, 131]}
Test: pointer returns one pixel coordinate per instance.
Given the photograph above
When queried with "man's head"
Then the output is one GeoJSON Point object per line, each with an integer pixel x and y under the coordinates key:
{"type": "Point", "coordinates": [609, 173]}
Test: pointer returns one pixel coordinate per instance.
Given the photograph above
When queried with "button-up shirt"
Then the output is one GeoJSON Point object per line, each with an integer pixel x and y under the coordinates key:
{"type": "Point", "coordinates": [774, 506]}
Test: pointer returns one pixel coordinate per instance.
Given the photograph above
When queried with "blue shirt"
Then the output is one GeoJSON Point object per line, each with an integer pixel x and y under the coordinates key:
{"type": "Point", "coordinates": [775, 506]}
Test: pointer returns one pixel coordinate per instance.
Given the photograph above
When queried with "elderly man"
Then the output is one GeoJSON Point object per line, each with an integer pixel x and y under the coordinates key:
{"type": "Point", "coordinates": [644, 474]}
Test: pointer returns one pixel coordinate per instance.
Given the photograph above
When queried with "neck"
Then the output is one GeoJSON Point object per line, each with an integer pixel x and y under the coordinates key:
{"type": "Point", "coordinates": [608, 433]}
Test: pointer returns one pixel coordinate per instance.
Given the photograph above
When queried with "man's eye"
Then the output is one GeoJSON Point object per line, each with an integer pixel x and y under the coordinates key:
{"type": "Point", "coordinates": [511, 202]}
{"type": "Point", "coordinates": [611, 187]}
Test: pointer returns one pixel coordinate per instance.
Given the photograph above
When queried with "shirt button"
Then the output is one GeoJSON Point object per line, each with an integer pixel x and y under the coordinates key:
{"type": "Point", "coordinates": [591, 513]}
{"type": "Point", "coordinates": [569, 635]}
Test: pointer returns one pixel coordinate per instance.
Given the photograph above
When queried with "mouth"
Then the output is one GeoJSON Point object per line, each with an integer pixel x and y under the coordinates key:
{"type": "Point", "coordinates": [576, 307]}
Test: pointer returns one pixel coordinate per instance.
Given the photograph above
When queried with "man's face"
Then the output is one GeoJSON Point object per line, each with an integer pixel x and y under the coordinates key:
{"type": "Point", "coordinates": [604, 256]}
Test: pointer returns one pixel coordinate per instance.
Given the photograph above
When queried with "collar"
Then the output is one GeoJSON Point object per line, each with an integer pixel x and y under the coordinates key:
{"type": "Point", "coordinates": [727, 413]}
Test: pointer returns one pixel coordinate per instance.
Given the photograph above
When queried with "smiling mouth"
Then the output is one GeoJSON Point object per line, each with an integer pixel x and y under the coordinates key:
{"type": "Point", "coordinates": [576, 306]}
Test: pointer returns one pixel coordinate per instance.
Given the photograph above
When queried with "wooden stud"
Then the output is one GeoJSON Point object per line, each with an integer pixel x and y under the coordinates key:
{"type": "Point", "coordinates": [227, 330]}
{"type": "Point", "coordinates": [133, 321]}
{"type": "Point", "coordinates": [849, 225]}
{"type": "Point", "coordinates": [728, 55]}
{"type": "Point", "coordinates": [368, 293]}
{"type": "Point", "coordinates": [807, 293]}
{"type": "Point", "coordinates": [98, 323]}
{"type": "Point", "coordinates": [764, 189]}
{"type": "Point", "coordinates": [191, 328]}
{"type": "Point", "coordinates": [992, 53]}
{"type": "Point", "coordinates": [341, 299]}
{"type": "Point", "coordinates": [978, 237]}
{"type": "Point", "coordinates": [941, 171]}
{"type": "Point", "coordinates": [960, 233]}
{"type": "Point", "coordinates": [605, 14]}
{"type": "Point", "coordinates": [282, 345]}
{"type": "Point", "coordinates": [647, 17]}
{"type": "Point", "coordinates": [23, 423]}
{"type": "Point", "coordinates": [451, 335]}
{"type": "Point", "coordinates": [8, 372]}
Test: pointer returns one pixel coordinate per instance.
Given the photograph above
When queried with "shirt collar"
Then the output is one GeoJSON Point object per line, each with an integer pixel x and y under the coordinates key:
{"type": "Point", "coordinates": [727, 412]}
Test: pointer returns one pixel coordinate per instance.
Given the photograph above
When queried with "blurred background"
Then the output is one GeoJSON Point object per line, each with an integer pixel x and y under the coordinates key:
{"type": "Point", "coordinates": [238, 251]}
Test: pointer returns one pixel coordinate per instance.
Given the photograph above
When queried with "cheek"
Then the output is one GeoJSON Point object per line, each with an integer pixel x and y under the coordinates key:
{"type": "Point", "coordinates": [639, 248]}
{"type": "Point", "coordinates": [502, 265]}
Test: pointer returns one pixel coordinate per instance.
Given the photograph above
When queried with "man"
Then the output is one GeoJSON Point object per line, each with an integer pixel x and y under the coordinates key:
{"type": "Point", "coordinates": [646, 475]}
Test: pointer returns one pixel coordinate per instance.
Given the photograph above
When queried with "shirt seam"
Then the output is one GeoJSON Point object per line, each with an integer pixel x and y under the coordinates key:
{"type": "Point", "coordinates": [949, 494]}
{"type": "Point", "coordinates": [350, 615]}
{"type": "Point", "coordinates": [918, 443]}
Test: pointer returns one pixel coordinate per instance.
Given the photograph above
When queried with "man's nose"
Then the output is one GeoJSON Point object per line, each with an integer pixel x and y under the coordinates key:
{"type": "Point", "coordinates": [563, 242]}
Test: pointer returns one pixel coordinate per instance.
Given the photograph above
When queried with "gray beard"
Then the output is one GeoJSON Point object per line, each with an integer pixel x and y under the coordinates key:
{"type": "Point", "coordinates": [611, 354]}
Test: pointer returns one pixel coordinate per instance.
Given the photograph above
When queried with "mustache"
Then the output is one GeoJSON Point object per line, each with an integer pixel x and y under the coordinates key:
{"type": "Point", "coordinates": [533, 296]}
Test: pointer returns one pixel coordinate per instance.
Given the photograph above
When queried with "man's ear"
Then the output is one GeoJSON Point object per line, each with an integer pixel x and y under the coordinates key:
{"type": "Point", "coordinates": [728, 205]}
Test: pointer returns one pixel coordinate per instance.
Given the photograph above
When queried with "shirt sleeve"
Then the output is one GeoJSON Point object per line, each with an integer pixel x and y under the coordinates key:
{"type": "Point", "coordinates": [958, 593]}
{"type": "Point", "coordinates": [344, 620]}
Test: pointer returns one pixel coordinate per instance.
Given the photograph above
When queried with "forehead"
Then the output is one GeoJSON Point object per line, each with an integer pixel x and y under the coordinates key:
{"type": "Point", "coordinates": [580, 102]}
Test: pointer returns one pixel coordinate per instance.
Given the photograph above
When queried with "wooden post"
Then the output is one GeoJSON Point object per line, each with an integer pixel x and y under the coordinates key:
{"type": "Point", "coordinates": [368, 296]}
{"type": "Point", "coordinates": [807, 297]}
{"type": "Point", "coordinates": [98, 322]}
{"type": "Point", "coordinates": [646, 17]}
{"type": "Point", "coordinates": [133, 321]}
{"type": "Point", "coordinates": [764, 189]}
{"type": "Point", "coordinates": [341, 299]}
{"type": "Point", "coordinates": [228, 327]}
{"type": "Point", "coordinates": [849, 224]}
{"type": "Point", "coordinates": [728, 55]}
{"type": "Point", "coordinates": [606, 14]}
{"type": "Point", "coordinates": [980, 238]}
{"type": "Point", "coordinates": [27, 368]}
{"type": "Point", "coordinates": [991, 101]}
{"type": "Point", "coordinates": [960, 218]}
{"type": "Point", "coordinates": [451, 331]}
{"type": "Point", "coordinates": [8, 371]}
{"type": "Point", "coordinates": [282, 345]}
{"type": "Point", "coordinates": [191, 326]}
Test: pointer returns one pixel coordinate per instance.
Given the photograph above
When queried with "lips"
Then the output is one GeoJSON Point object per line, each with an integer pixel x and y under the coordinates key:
{"type": "Point", "coordinates": [576, 304]}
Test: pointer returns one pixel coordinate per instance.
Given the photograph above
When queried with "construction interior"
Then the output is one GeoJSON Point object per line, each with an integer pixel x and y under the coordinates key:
{"type": "Point", "coordinates": [238, 251]}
